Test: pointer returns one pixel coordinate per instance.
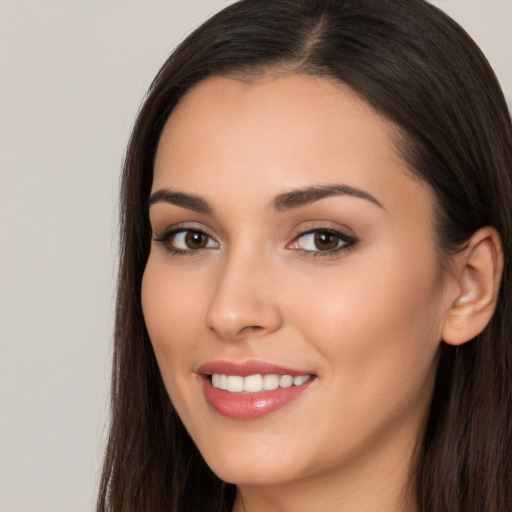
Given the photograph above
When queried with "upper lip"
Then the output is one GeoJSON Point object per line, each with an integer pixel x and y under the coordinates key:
{"type": "Point", "coordinates": [246, 368]}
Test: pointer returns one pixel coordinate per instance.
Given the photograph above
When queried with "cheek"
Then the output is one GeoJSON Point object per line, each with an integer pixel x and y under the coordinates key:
{"type": "Point", "coordinates": [172, 315]}
{"type": "Point", "coordinates": [378, 325]}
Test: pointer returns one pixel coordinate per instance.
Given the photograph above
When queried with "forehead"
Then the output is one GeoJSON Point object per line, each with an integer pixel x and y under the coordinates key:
{"type": "Point", "coordinates": [277, 112]}
{"type": "Point", "coordinates": [265, 136]}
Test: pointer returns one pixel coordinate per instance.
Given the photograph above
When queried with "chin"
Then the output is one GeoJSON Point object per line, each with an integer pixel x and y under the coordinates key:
{"type": "Point", "coordinates": [252, 465]}
{"type": "Point", "coordinates": [242, 474]}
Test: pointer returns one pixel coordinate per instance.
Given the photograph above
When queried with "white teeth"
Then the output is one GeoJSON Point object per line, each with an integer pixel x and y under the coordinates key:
{"type": "Point", "coordinates": [223, 381]}
{"type": "Point", "coordinates": [235, 384]}
{"type": "Point", "coordinates": [297, 381]}
{"type": "Point", "coordinates": [286, 381]}
{"type": "Point", "coordinates": [270, 382]}
{"type": "Point", "coordinates": [256, 383]}
{"type": "Point", "coordinates": [253, 383]}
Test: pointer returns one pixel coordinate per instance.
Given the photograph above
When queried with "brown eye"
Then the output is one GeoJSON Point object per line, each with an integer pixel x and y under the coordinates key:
{"type": "Point", "coordinates": [187, 240]}
{"type": "Point", "coordinates": [325, 241]}
{"type": "Point", "coordinates": [196, 240]}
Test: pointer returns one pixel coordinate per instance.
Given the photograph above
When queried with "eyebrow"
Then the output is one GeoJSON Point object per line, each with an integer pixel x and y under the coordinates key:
{"type": "Point", "coordinates": [191, 202]}
{"type": "Point", "coordinates": [308, 195]}
{"type": "Point", "coordinates": [281, 203]}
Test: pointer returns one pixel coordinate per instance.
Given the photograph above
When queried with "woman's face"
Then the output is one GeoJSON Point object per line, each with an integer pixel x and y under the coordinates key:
{"type": "Point", "coordinates": [293, 256]}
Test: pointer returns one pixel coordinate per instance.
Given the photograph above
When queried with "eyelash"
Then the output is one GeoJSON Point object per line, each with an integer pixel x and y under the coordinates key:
{"type": "Point", "coordinates": [168, 237]}
{"type": "Point", "coordinates": [344, 242]}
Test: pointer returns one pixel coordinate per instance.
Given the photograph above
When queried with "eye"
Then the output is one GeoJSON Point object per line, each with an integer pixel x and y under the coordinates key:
{"type": "Point", "coordinates": [327, 241]}
{"type": "Point", "coordinates": [187, 240]}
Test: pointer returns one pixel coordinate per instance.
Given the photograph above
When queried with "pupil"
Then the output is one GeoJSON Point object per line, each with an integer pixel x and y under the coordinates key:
{"type": "Point", "coordinates": [195, 240]}
{"type": "Point", "coordinates": [326, 241]}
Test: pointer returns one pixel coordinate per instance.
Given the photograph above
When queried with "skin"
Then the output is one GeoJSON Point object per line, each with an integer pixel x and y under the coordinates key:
{"type": "Point", "coordinates": [366, 321]}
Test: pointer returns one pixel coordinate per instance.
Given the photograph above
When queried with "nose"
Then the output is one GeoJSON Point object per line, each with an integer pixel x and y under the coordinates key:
{"type": "Point", "coordinates": [244, 301]}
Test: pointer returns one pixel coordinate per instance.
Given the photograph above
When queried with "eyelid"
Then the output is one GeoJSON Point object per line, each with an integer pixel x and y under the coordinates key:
{"type": "Point", "coordinates": [182, 233]}
{"type": "Point", "coordinates": [169, 233]}
{"type": "Point", "coordinates": [347, 241]}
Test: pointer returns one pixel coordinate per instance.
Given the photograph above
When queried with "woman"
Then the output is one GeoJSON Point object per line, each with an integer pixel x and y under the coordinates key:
{"type": "Point", "coordinates": [314, 293]}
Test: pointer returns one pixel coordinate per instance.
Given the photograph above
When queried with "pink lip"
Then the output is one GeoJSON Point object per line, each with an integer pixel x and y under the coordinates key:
{"type": "Point", "coordinates": [248, 406]}
{"type": "Point", "coordinates": [246, 368]}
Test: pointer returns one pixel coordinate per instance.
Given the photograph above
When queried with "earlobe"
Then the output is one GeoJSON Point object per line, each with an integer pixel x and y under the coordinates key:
{"type": "Point", "coordinates": [478, 274]}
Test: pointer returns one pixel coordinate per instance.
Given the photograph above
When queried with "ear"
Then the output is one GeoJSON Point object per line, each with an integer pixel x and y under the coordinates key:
{"type": "Point", "coordinates": [478, 274]}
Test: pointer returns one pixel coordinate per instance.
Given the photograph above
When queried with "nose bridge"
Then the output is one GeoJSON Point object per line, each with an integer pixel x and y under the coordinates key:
{"type": "Point", "coordinates": [243, 300]}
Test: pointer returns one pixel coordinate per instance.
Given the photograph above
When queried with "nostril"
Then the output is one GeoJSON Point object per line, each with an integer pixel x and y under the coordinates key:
{"type": "Point", "coordinates": [253, 328]}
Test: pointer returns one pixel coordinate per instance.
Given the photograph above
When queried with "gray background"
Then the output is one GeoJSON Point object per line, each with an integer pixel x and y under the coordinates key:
{"type": "Point", "coordinates": [72, 75]}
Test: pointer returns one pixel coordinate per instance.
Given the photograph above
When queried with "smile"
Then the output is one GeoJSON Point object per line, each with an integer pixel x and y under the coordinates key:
{"type": "Point", "coordinates": [256, 383]}
{"type": "Point", "coordinates": [247, 390]}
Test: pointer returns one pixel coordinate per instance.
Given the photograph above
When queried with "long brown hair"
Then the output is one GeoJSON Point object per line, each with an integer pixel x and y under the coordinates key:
{"type": "Point", "coordinates": [418, 68]}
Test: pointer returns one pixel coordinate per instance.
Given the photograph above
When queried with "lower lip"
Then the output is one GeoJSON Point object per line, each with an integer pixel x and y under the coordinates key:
{"type": "Point", "coordinates": [249, 406]}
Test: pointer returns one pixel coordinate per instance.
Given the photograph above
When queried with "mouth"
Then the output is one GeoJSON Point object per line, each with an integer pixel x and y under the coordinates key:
{"type": "Point", "coordinates": [256, 383]}
{"type": "Point", "coordinates": [250, 390]}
